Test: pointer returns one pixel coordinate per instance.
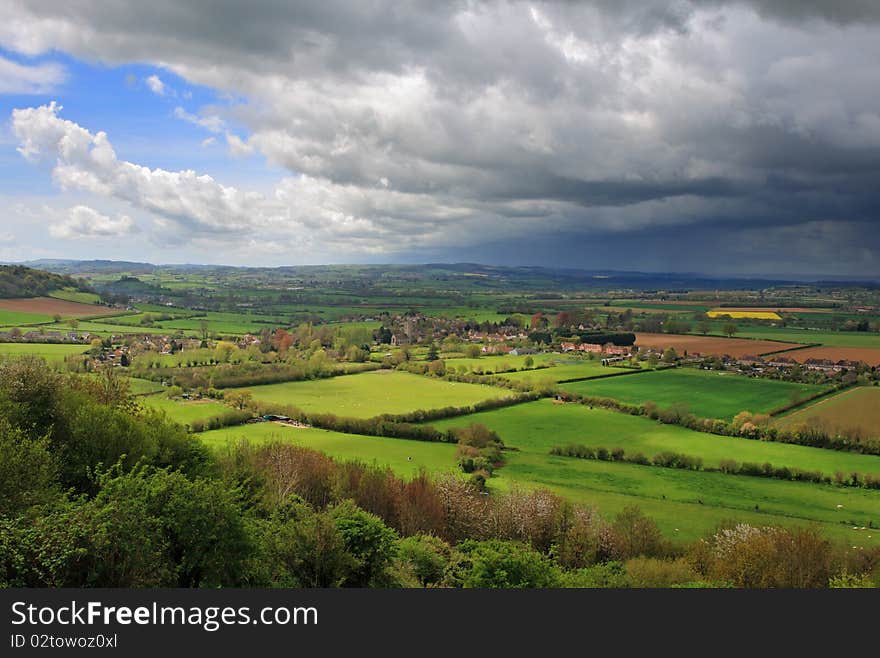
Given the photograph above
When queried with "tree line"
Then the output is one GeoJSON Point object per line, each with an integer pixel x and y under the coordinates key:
{"type": "Point", "coordinates": [671, 459]}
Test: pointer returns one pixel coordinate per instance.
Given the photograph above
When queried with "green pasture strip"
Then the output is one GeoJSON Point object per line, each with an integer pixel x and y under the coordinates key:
{"type": "Point", "coordinates": [690, 504]}
{"type": "Point", "coordinates": [537, 427]}
{"type": "Point", "coordinates": [21, 318]}
{"type": "Point", "coordinates": [47, 351]}
{"type": "Point", "coordinates": [144, 386]}
{"type": "Point", "coordinates": [185, 411]}
{"type": "Point", "coordinates": [76, 296]}
{"type": "Point", "coordinates": [403, 456]}
{"type": "Point", "coordinates": [707, 394]}
{"type": "Point", "coordinates": [369, 394]}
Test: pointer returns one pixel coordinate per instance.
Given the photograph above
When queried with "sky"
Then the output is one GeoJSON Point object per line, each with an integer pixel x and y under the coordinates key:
{"type": "Point", "coordinates": [723, 137]}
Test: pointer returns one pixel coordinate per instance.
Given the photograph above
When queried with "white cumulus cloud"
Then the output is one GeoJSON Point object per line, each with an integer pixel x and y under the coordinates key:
{"type": "Point", "coordinates": [84, 222]}
{"type": "Point", "coordinates": [301, 211]}
{"type": "Point", "coordinates": [154, 82]}
{"type": "Point", "coordinates": [17, 78]}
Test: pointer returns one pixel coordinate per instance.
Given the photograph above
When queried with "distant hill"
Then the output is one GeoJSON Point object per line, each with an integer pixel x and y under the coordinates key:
{"type": "Point", "coordinates": [21, 281]}
{"type": "Point", "coordinates": [91, 266]}
{"type": "Point", "coordinates": [131, 286]}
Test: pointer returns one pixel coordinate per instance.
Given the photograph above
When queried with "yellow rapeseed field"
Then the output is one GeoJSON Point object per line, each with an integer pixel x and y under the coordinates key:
{"type": "Point", "coordinates": [758, 315]}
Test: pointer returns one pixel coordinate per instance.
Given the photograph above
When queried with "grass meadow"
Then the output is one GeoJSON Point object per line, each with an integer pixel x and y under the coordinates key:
{"type": "Point", "coordinates": [48, 351]}
{"type": "Point", "coordinates": [144, 386]}
{"type": "Point", "coordinates": [373, 393]}
{"type": "Point", "coordinates": [403, 456]}
{"type": "Point", "coordinates": [689, 504]}
{"type": "Point", "coordinates": [582, 370]}
{"type": "Point", "coordinates": [536, 427]}
{"type": "Point", "coordinates": [708, 394]}
{"type": "Point", "coordinates": [184, 411]}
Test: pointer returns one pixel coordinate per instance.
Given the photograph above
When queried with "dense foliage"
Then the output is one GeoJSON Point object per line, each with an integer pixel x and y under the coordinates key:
{"type": "Point", "coordinates": [21, 281]}
{"type": "Point", "coordinates": [95, 491]}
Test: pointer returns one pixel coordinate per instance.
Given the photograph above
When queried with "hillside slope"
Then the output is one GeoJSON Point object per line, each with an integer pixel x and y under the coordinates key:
{"type": "Point", "coordinates": [21, 281]}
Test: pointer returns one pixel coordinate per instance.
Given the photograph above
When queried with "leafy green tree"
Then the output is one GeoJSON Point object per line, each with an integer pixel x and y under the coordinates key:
{"type": "Point", "coordinates": [606, 574]}
{"type": "Point", "coordinates": [85, 543]}
{"type": "Point", "coordinates": [433, 352]}
{"type": "Point", "coordinates": [369, 540]}
{"type": "Point", "coordinates": [28, 471]}
{"type": "Point", "coordinates": [634, 534]}
{"type": "Point", "coordinates": [502, 564]}
{"type": "Point", "coordinates": [97, 436]}
{"type": "Point", "coordinates": [729, 329]}
{"type": "Point", "coordinates": [29, 394]}
{"type": "Point", "coordinates": [239, 399]}
{"type": "Point", "coordinates": [199, 522]}
{"type": "Point", "coordinates": [303, 548]}
{"type": "Point", "coordinates": [426, 556]}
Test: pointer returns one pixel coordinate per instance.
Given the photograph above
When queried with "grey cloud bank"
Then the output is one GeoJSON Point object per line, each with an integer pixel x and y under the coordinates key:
{"type": "Point", "coordinates": [724, 137]}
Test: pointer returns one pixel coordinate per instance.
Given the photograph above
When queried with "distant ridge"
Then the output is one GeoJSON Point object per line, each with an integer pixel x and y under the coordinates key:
{"type": "Point", "coordinates": [618, 279]}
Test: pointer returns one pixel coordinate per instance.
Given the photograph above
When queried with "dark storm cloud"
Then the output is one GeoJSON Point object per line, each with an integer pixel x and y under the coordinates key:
{"type": "Point", "coordinates": [842, 12]}
{"type": "Point", "coordinates": [425, 127]}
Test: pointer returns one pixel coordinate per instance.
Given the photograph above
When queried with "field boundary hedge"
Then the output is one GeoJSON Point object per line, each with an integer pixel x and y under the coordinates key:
{"type": "Point", "coordinates": [632, 371]}
{"type": "Point", "coordinates": [810, 437]}
{"type": "Point", "coordinates": [791, 349]}
{"type": "Point", "coordinates": [279, 374]}
{"type": "Point", "coordinates": [791, 406]}
{"type": "Point", "coordinates": [681, 461]}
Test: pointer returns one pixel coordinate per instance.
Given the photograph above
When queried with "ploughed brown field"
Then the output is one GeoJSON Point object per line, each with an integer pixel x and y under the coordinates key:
{"type": "Point", "coordinates": [735, 347]}
{"type": "Point", "coordinates": [51, 306]}
{"type": "Point", "coordinates": [869, 355]}
{"type": "Point", "coordinates": [856, 410]}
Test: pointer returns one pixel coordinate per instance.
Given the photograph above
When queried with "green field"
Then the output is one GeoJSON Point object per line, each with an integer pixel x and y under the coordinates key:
{"type": "Point", "coordinates": [491, 364]}
{"type": "Point", "coordinates": [76, 296]}
{"type": "Point", "coordinates": [219, 323]}
{"type": "Point", "coordinates": [373, 393]}
{"type": "Point", "coordinates": [707, 394]}
{"type": "Point", "coordinates": [689, 504]}
{"type": "Point", "coordinates": [19, 318]}
{"type": "Point", "coordinates": [48, 351]}
{"type": "Point", "coordinates": [685, 504]}
{"type": "Point", "coordinates": [621, 304]}
{"type": "Point", "coordinates": [582, 370]}
{"type": "Point", "coordinates": [143, 386]}
{"type": "Point", "coordinates": [560, 367]}
{"type": "Point", "coordinates": [670, 496]}
{"type": "Point", "coordinates": [404, 457]}
{"type": "Point", "coordinates": [536, 427]}
{"type": "Point", "coordinates": [184, 411]}
{"type": "Point", "coordinates": [107, 328]}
